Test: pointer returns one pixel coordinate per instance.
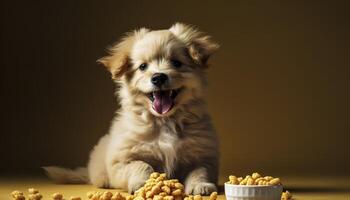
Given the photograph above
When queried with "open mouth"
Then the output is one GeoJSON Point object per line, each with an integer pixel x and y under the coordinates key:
{"type": "Point", "coordinates": [163, 100]}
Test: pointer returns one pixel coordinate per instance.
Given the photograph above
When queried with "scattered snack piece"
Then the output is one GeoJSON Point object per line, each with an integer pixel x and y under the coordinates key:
{"type": "Point", "coordinates": [106, 195]}
{"type": "Point", "coordinates": [213, 196]}
{"type": "Point", "coordinates": [286, 195]}
{"type": "Point", "coordinates": [197, 197]}
{"type": "Point", "coordinates": [75, 198]}
{"type": "Point", "coordinates": [33, 191]}
{"type": "Point", "coordinates": [94, 195]}
{"type": "Point", "coordinates": [17, 195]}
{"type": "Point", "coordinates": [118, 196]}
{"type": "Point", "coordinates": [35, 196]}
{"type": "Point", "coordinates": [57, 196]}
{"type": "Point", "coordinates": [254, 179]}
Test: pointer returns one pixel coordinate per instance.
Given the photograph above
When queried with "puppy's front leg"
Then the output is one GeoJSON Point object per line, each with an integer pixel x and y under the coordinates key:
{"type": "Point", "coordinates": [130, 175]}
{"type": "Point", "coordinates": [197, 182]}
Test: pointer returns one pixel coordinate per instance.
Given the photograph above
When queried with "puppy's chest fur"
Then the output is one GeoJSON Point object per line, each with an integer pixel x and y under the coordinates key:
{"type": "Point", "coordinates": [164, 148]}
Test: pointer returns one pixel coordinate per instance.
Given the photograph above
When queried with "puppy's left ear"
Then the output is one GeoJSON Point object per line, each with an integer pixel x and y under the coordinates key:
{"type": "Point", "coordinates": [118, 60]}
{"type": "Point", "coordinates": [200, 46]}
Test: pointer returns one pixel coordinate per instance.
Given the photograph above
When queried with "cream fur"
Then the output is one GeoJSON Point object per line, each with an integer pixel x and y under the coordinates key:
{"type": "Point", "coordinates": [181, 143]}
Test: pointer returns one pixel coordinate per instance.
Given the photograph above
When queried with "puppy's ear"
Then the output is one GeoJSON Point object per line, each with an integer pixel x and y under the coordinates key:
{"type": "Point", "coordinates": [118, 60]}
{"type": "Point", "coordinates": [200, 47]}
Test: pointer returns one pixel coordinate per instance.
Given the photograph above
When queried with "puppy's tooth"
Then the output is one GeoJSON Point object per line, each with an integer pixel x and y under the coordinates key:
{"type": "Point", "coordinates": [171, 92]}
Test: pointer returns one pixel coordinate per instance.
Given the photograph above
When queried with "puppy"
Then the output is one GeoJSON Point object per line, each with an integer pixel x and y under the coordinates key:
{"type": "Point", "coordinates": [163, 124]}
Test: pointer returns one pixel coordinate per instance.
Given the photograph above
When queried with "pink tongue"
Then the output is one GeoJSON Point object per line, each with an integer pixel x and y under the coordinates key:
{"type": "Point", "coordinates": [162, 102]}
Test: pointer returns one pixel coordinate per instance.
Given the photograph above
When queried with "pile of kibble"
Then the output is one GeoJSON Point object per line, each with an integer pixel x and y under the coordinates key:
{"type": "Point", "coordinates": [157, 187]}
{"type": "Point", "coordinates": [254, 179]}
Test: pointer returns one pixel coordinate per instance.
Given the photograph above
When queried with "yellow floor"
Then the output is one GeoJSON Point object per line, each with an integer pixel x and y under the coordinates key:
{"type": "Point", "coordinates": [313, 188]}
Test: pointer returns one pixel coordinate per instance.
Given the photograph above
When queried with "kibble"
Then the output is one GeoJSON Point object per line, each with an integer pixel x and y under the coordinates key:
{"type": "Point", "coordinates": [213, 196]}
{"type": "Point", "coordinates": [75, 198]}
{"type": "Point", "coordinates": [57, 196]}
{"type": "Point", "coordinates": [286, 195]}
{"type": "Point", "coordinates": [254, 179]}
{"type": "Point", "coordinates": [17, 195]}
{"type": "Point", "coordinates": [197, 197]}
{"type": "Point", "coordinates": [33, 191]}
{"type": "Point", "coordinates": [106, 196]}
{"type": "Point", "coordinates": [35, 196]}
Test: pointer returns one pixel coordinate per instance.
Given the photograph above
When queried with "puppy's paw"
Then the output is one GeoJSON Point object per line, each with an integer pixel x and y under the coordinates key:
{"type": "Point", "coordinates": [100, 181]}
{"type": "Point", "coordinates": [135, 186]}
{"type": "Point", "coordinates": [203, 188]}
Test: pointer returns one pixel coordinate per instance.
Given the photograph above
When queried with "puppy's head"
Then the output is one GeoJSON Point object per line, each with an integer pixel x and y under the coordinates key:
{"type": "Point", "coordinates": [161, 70]}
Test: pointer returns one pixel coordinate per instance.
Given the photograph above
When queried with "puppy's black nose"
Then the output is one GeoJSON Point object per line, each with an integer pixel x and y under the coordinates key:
{"type": "Point", "coordinates": [159, 79]}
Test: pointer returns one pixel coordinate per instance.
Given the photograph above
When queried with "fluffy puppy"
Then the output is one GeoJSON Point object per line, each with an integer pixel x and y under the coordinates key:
{"type": "Point", "coordinates": [163, 124]}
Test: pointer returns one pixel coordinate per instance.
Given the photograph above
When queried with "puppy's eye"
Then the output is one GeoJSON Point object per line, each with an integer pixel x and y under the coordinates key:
{"type": "Point", "coordinates": [176, 63]}
{"type": "Point", "coordinates": [143, 66]}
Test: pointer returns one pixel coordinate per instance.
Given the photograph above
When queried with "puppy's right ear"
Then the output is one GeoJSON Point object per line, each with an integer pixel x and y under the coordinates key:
{"type": "Point", "coordinates": [200, 46]}
{"type": "Point", "coordinates": [118, 60]}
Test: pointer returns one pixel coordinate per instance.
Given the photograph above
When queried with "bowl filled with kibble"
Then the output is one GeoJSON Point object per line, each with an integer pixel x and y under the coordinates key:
{"type": "Point", "coordinates": [253, 187]}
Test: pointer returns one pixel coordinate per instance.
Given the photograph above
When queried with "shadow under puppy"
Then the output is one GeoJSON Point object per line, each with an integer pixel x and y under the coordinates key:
{"type": "Point", "coordinates": [163, 124]}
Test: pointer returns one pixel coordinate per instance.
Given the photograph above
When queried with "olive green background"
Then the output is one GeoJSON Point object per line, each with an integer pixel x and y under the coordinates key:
{"type": "Point", "coordinates": [278, 95]}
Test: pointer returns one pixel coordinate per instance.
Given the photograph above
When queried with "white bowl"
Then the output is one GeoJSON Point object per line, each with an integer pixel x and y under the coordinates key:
{"type": "Point", "coordinates": [253, 192]}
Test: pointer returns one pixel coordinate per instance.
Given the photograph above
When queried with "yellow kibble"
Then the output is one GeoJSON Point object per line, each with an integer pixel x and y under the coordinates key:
{"type": "Point", "coordinates": [177, 192]}
{"type": "Point", "coordinates": [160, 184]}
{"type": "Point", "coordinates": [139, 198]}
{"type": "Point", "coordinates": [161, 177]}
{"type": "Point", "coordinates": [117, 196]}
{"type": "Point", "coordinates": [266, 182]}
{"type": "Point", "coordinates": [179, 186]}
{"type": "Point", "coordinates": [168, 197]}
{"type": "Point", "coordinates": [256, 175]}
{"type": "Point", "coordinates": [248, 176]}
{"type": "Point", "coordinates": [17, 195]}
{"type": "Point", "coordinates": [250, 181]}
{"type": "Point", "coordinates": [149, 194]}
{"type": "Point", "coordinates": [129, 197]}
{"type": "Point", "coordinates": [243, 182]}
{"type": "Point", "coordinates": [57, 196]}
{"type": "Point", "coordinates": [275, 181]}
{"type": "Point", "coordinates": [268, 178]}
{"type": "Point", "coordinates": [33, 191]}
{"type": "Point", "coordinates": [286, 195]}
{"type": "Point", "coordinates": [106, 196]}
{"type": "Point", "coordinates": [233, 180]}
{"type": "Point", "coordinates": [155, 189]}
{"type": "Point", "coordinates": [261, 182]}
{"type": "Point", "coordinates": [154, 175]}
{"type": "Point", "coordinates": [197, 197]}
{"type": "Point", "coordinates": [213, 196]}
{"type": "Point", "coordinates": [163, 194]}
{"type": "Point", "coordinates": [75, 198]}
{"type": "Point", "coordinates": [157, 197]}
{"type": "Point", "coordinates": [166, 189]}
{"type": "Point", "coordinates": [240, 179]}
{"type": "Point", "coordinates": [89, 194]}
{"type": "Point", "coordinates": [36, 196]}
{"type": "Point", "coordinates": [141, 193]}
